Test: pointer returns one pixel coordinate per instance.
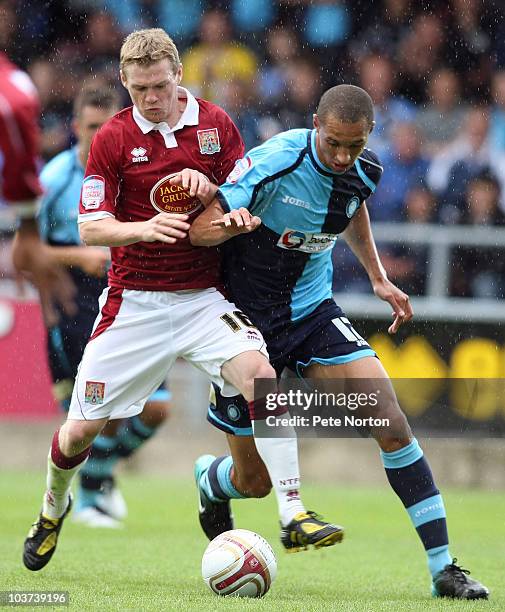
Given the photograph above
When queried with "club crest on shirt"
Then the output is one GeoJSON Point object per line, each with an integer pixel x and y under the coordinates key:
{"type": "Point", "coordinates": [352, 206]}
{"type": "Point", "coordinates": [208, 141]}
{"type": "Point", "coordinates": [94, 392]}
{"type": "Point", "coordinates": [173, 198]}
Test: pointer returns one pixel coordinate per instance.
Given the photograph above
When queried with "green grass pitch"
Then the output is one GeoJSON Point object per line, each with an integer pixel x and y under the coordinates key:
{"type": "Point", "coordinates": [154, 562]}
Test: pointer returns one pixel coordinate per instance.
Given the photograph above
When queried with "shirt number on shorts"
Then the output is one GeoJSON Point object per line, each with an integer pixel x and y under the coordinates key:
{"type": "Point", "coordinates": [236, 320]}
{"type": "Point", "coordinates": [347, 330]}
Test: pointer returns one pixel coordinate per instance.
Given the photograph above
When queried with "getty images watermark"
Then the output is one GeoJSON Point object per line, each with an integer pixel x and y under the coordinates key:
{"type": "Point", "coordinates": [443, 407]}
{"type": "Point", "coordinates": [316, 405]}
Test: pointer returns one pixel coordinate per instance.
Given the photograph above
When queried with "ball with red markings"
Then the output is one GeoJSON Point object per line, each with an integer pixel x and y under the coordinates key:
{"type": "Point", "coordinates": [239, 562]}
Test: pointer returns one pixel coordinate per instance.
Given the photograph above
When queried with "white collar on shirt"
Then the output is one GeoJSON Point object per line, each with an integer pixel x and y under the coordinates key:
{"type": "Point", "coordinates": [188, 117]}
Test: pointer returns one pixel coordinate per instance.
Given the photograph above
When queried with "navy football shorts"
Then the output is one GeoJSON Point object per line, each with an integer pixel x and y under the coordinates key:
{"type": "Point", "coordinates": [325, 336]}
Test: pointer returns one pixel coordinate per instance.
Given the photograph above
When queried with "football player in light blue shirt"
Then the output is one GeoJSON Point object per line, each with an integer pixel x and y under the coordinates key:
{"type": "Point", "coordinates": [285, 205]}
{"type": "Point", "coordinates": [99, 502]}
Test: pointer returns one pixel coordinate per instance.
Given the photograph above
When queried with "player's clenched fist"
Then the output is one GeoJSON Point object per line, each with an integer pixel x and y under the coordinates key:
{"type": "Point", "coordinates": [165, 227]}
{"type": "Point", "coordinates": [240, 221]}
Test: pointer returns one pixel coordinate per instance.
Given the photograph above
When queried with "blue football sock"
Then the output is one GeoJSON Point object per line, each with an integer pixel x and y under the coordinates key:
{"type": "Point", "coordinates": [410, 477]}
{"type": "Point", "coordinates": [216, 481]}
{"type": "Point", "coordinates": [96, 470]}
{"type": "Point", "coordinates": [131, 435]}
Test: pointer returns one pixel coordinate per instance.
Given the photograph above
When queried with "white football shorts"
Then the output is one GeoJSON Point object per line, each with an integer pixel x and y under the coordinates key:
{"type": "Point", "coordinates": [137, 337]}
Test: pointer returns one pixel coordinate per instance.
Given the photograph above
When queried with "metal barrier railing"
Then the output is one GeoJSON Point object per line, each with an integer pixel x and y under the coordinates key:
{"type": "Point", "coordinates": [436, 304]}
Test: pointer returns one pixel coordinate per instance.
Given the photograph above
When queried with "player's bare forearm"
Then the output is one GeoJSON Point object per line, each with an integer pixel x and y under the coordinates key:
{"type": "Point", "coordinates": [203, 233]}
{"type": "Point", "coordinates": [68, 255]}
{"type": "Point", "coordinates": [92, 260]}
{"type": "Point", "coordinates": [109, 232]}
{"type": "Point", "coordinates": [359, 237]}
{"type": "Point", "coordinates": [164, 227]}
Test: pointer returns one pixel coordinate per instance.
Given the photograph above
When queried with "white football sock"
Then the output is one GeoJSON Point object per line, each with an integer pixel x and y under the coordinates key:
{"type": "Point", "coordinates": [280, 456]}
{"type": "Point", "coordinates": [59, 482]}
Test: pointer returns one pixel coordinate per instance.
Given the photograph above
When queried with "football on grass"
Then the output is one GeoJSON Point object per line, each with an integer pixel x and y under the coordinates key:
{"type": "Point", "coordinates": [240, 563]}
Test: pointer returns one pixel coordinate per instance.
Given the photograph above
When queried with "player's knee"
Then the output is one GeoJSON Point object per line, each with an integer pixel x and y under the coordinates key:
{"type": "Point", "coordinates": [75, 436]}
{"type": "Point", "coordinates": [260, 370]}
{"type": "Point", "coordinates": [155, 413]}
{"type": "Point", "coordinates": [396, 432]}
{"type": "Point", "coordinates": [264, 370]}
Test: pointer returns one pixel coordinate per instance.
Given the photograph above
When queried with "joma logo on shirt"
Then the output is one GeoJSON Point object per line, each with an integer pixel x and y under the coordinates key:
{"type": "Point", "coordinates": [287, 199]}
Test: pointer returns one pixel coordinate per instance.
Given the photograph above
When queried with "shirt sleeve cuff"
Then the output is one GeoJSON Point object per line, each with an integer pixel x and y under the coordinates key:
{"type": "Point", "coordinates": [223, 201]}
{"type": "Point", "coordinates": [96, 216]}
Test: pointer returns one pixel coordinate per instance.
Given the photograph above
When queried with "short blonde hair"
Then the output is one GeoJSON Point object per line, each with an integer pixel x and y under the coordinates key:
{"type": "Point", "coordinates": [148, 46]}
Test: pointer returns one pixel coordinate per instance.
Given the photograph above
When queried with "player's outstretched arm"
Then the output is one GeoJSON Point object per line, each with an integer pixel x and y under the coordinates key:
{"type": "Point", "coordinates": [93, 261]}
{"type": "Point", "coordinates": [214, 226]}
{"type": "Point", "coordinates": [164, 227]}
{"type": "Point", "coordinates": [359, 237]}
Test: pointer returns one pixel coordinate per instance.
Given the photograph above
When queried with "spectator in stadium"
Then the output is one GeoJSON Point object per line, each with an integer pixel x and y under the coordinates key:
{"type": "Point", "coordinates": [282, 51]}
{"type": "Point", "coordinates": [99, 503]}
{"type": "Point", "coordinates": [390, 21]}
{"type": "Point", "coordinates": [162, 302]}
{"type": "Point", "coordinates": [56, 85]}
{"type": "Point", "coordinates": [376, 75]}
{"type": "Point", "coordinates": [20, 188]}
{"type": "Point", "coordinates": [497, 127]}
{"type": "Point", "coordinates": [471, 29]}
{"type": "Point", "coordinates": [479, 272]}
{"type": "Point", "coordinates": [275, 266]}
{"type": "Point", "coordinates": [424, 41]}
{"type": "Point", "coordinates": [327, 29]}
{"type": "Point", "coordinates": [253, 18]}
{"type": "Point", "coordinates": [440, 119]}
{"type": "Point", "coordinates": [216, 58]}
{"type": "Point", "coordinates": [102, 40]}
{"type": "Point", "coordinates": [407, 264]}
{"type": "Point", "coordinates": [470, 154]}
{"type": "Point", "coordinates": [304, 80]}
{"type": "Point", "coordinates": [239, 101]}
{"type": "Point", "coordinates": [405, 167]}
{"type": "Point", "coordinates": [180, 17]}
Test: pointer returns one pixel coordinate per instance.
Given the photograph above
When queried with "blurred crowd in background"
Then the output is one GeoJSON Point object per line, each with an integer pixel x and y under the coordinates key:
{"type": "Point", "coordinates": [435, 71]}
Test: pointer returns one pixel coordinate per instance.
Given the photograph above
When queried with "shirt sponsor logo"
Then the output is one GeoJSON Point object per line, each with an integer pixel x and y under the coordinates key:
{"type": "Point", "coordinates": [94, 392]}
{"type": "Point", "coordinates": [306, 242]}
{"type": "Point", "coordinates": [287, 199]}
{"type": "Point", "coordinates": [209, 141]}
{"type": "Point", "coordinates": [173, 198]}
{"type": "Point", "coordinates": [139, 154]}
{"type": "Point", "coordinates": [241, 167]}
{"type": "Point", "coordinates": [93, 191]}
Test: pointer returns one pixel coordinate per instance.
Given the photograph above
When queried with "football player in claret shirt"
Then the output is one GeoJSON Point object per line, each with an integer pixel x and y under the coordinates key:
{"type": "Point", "coordinates": [20, 187]}
{"type": "Point", "coordinates": [284, 206]}
{"type": "Point", "coordinates": [99, 502]}
{"type": "Point", "coordinates": [163, 300]}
